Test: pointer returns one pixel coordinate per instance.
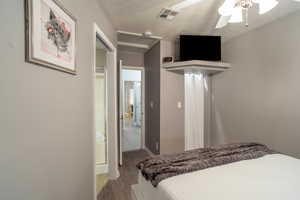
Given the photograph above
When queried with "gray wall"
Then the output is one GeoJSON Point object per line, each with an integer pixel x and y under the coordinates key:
{"type": "Point", "coordinates": [131, 58]}
{"type": "Point", "coordinates": [152, 84]}
{"type": "Point", "coordinates": [258, 100]}
{"type": "Point", "coordinates": [165, 121]}
{"type": "Point", "coordinates": [46, 120]}
{"type": "Point", "coordinates": [172, 117]}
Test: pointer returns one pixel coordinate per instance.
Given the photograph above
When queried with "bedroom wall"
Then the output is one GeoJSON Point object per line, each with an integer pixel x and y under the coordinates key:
{"type": "Point", "coordinates": [172, 137]}
{"type": "Point", "coordinates": [258, 99]}
{"type": "Point", "coordinates": [164, 121]}
{"type": "Point", "coordinates": [172, 117]}
{"type": "Point", "coordinates": [46, 120]}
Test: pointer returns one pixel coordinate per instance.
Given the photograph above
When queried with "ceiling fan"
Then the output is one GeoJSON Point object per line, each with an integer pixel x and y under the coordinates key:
{"type": "Point", "coordinates": [232, 10]}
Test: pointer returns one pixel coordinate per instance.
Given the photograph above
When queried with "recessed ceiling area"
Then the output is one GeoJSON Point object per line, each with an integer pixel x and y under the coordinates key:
{"type": "Point", "coordinates": [200, 19]}
{"type": "Point", "coordinates": [136, 42]}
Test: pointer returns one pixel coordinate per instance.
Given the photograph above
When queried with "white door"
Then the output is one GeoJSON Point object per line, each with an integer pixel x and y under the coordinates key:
{"type": "Point", "coordinates": [121, 117]}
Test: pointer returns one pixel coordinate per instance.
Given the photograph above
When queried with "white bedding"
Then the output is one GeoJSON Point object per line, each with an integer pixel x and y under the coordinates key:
{"type": "Point", "coordinates": [272, 177]}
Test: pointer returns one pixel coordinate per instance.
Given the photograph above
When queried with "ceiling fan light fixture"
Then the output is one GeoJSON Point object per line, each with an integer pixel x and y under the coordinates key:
{"type": "Point", "coordinates": [237, 15]}
{"type": "Point", "coordinates": [266, 5]}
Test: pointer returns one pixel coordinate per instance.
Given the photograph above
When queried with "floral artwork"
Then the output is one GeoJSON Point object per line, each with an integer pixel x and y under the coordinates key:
{"type": "Point", "coordinates": [58, 33]}
{"type": "Point", "coordinates": [56, 36]}
{"type": "Point", "coordinates": [53, 36]}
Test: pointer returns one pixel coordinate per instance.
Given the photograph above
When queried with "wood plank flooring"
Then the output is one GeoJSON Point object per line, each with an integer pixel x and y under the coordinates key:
{"type": "Point", "coordinates": [120, 189]}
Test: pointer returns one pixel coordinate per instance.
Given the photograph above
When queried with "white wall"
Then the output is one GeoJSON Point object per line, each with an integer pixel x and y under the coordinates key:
{"type": "Point", "coordinates": [258, 100]}
{"type": "Point", "coordinates": [46, 116]}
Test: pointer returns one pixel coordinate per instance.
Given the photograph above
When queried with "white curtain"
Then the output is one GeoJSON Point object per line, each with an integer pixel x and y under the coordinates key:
{"type": "Point", "coordinates": [194, 110]}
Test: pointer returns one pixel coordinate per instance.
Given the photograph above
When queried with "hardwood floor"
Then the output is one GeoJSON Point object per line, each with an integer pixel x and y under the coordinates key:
{"type": "Point", "coordinates": [120, 189]}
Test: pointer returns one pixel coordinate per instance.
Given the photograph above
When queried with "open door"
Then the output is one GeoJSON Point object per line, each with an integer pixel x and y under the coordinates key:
{"type": "Point", "coordinates": [131, 109]}
{"type": "Point", "coordinates": [121, 117]}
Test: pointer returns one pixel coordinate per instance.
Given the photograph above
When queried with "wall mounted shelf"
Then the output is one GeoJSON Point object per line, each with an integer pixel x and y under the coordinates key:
{"type": "Point", "coordinates": [207, 67]}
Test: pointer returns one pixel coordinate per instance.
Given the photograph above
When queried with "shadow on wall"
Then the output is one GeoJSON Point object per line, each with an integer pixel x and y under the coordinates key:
{"type": "Point", "coordinates": [218, 132]}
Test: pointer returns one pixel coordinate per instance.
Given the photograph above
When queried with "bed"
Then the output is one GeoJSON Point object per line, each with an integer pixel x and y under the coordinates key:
{"type": "Point", "coordinates": [273, 176]}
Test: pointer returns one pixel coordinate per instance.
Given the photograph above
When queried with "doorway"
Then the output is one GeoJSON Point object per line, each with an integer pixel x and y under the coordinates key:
{"type": "Point", "coordinates": [132, 108]}
{"type": "Point", "coordinates": [101, 115]}
{"type": "Point", "coordinates": [105, 99]}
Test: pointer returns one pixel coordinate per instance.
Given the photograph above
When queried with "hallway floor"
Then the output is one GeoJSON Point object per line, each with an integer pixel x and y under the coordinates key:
{"type": "Point", "coordinates": [101, 181]}
{"type": "Point", "coordinates": [120, 189]}
{"type": "Point", "coordinates": [132, 137]}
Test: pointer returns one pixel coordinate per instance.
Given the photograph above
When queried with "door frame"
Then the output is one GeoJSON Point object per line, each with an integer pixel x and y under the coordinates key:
{"type": "Point", "coordinates": [121, 115]}
{"type": "Point", "coordinates": [103, 168]}
{"type": "Point", "coordinates": [111, 80]}
{"type": "Point", "coordinates": [142, 69]}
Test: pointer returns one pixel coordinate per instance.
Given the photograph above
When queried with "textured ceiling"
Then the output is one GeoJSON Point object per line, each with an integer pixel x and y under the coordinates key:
{"type": "Point", "coordinates": [142, 15]}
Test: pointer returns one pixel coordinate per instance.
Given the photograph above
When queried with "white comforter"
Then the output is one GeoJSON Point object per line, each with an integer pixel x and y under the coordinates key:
{"type": "Point", "coordinates": [272, 177]}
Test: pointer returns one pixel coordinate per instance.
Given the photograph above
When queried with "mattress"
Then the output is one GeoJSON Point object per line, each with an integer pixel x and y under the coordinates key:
{"type": "Point", "coordinates": [272, 177]}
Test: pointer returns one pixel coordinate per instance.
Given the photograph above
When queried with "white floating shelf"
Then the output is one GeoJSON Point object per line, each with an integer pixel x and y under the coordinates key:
{"type": "Point", "coordinates": [207, 67]}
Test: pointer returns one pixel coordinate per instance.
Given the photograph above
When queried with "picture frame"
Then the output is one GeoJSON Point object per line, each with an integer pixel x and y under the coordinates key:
{"type": "Point", "coordinates": [51, 32]}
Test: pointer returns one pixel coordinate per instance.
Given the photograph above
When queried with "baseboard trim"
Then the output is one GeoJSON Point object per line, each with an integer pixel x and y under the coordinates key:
{"type": "Point", "coordinates": [113, 175]}
{"type": "Point", "coordinates": [148, 151]}
{"type": "Point", "coordinates": [101, 169]}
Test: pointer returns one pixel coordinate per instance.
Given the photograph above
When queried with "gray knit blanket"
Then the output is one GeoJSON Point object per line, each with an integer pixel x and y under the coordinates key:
{"type": "Point", "coordinates": [158, 168]}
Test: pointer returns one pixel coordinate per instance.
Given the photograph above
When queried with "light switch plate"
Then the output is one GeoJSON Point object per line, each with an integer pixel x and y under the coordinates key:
{"type": "Point", "coordinates": [151, 104]}
{"type": "Point", "coordinates": [179, 105]}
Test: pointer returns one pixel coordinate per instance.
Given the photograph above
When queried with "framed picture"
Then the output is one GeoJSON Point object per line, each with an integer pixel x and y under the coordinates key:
{"type": "Point", "coordinates": [50, 35]}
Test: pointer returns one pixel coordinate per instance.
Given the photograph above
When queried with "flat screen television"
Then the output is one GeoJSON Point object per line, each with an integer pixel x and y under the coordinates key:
{"type": "Point", "coordinates": [194, 47]}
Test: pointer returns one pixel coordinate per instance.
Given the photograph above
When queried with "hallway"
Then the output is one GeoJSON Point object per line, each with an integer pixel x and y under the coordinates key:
{"type": "Point", "coordinates": [132, 136]}
{"type": "Point", "coordinates": [120, 189]}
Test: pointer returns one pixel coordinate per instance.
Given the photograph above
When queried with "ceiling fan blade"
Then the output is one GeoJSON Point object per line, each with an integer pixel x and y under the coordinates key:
{"type": "Point", "coordinates": [267, 5]}
{"type": "Point", "coordinates": [223, 21]}
{"type": "Point", "coordinates": [184, 4]}
{"type": "Point", "coordinates": [237, 15]}
{"type": "Point", "coordinates": [227, 7]}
